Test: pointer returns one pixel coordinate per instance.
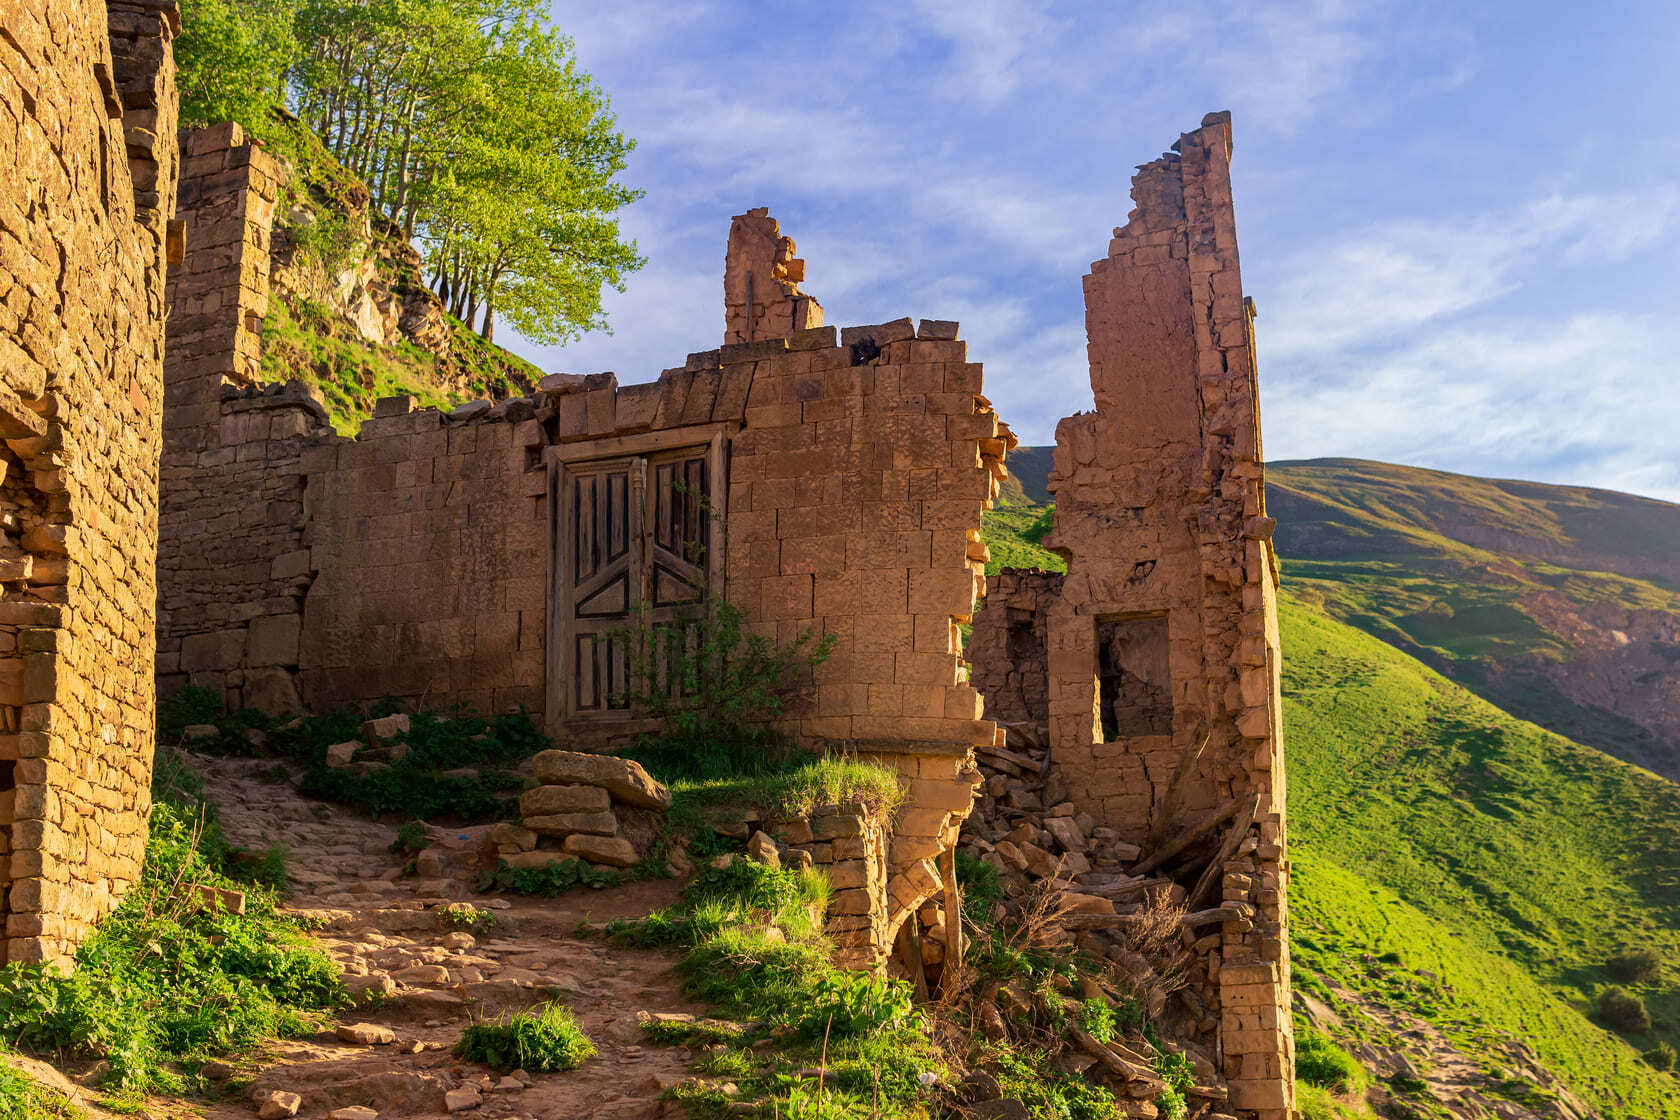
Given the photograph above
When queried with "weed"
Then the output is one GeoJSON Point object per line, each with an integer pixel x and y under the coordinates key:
{"type": "Point", "coordinates": [1098, 1020]}
{"type": "Point", "coordinates": [553, 878]}
{"type": "Point", "coordinates": [1638, 966]}
{"type": "Point", "coordinates": [1179, 1075]}
{"type": "Point", "coordinates": [468, 918]}
{"type": "Point", "coordinates": [412, 839]}
{"type": "Point", "coordinates": [1319, 1061]}
{"type": "Point", "coordinates": [1621, 1010]}
{"type": "Point", "coordinates": [22, 1098]}
{"type": "Point", "coordinates": [1027, 1075]}
{"type": "Point", "coordinates": [1661, 1056]}
{"type": "Point", "coordinates": [541, 1040]}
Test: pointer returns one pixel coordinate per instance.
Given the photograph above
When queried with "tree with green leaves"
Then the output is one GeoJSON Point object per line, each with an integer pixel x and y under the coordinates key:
{"type": "Point", "coordinates": [476, 132]}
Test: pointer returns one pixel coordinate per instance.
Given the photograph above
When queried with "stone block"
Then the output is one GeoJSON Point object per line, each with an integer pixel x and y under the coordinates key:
{"type": "Point", "coordinates": [625, 780]}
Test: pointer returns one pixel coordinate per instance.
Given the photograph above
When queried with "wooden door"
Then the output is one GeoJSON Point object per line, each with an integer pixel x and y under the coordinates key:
{"type": "Point", "coordinates": [634, 546]}
{"type": "Point", "coordinates": [601, 559]}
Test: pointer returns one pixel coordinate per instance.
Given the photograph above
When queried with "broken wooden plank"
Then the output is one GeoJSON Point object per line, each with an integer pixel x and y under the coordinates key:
{"type": "Point", "coordinates": [1233, 840]}
{"type": "Point", "coordinates": [1175, 789]}
{"type": "Point", "coordinates": [1206, 825]}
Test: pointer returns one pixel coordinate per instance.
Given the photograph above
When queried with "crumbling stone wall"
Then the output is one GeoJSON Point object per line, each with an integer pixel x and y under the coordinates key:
{"type": "Point", "coordinates": [761, 278]}
{"type": "Point", "coordinates": [232, 565]}
{"type": "Point", "coordinates": [1163, 643]}
{"type": "Point", "coordinates": [1008, 647]}
{"type": "Point", "coordinates": [86, 190]}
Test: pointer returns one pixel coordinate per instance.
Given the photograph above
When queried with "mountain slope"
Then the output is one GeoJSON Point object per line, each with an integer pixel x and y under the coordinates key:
{"type": "Point", "coordinates": [1560, 604]}
{"type": "Point", "coordinates": [1467, 871]}
{"type": "Point", "coordinates": [1428, 823]}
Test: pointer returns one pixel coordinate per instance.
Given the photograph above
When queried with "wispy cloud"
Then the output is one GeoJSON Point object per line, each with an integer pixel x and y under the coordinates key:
{"type": "Point", "coordinates": [967, 158]}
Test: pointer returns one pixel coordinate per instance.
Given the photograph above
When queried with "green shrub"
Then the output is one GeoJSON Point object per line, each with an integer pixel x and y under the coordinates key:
{"type": "Point", "coordinates": [1623, 1011]}
{"type": "Point", "coordinates": [554, 878]}
{"type": "Point", "coordinates": [1661, 1056]}
{"type": "Point", "coordinates": [847, 1004]}
{"type": "Point", "coordinates": [167, 979]}
{"type": "Point", "coordinates": [1027, 1075]}
{"type": "Point", "coordinates": [713, 683]}
{"type": "Point", "coordinates": [1319, 1061]}
{"type": "Point", "coordinates": [185, 707]}
{"type": "Point", "coordinates": [542, 1040]}
{"type": "Point", "coordinates": [1179, 1075]}
{"type": "Point", "coordinates": [412, 839]}
{"type": "Point", "coordinates": [1638, 966]}
{"type": "Point", "coordinates": [1098, 1020]}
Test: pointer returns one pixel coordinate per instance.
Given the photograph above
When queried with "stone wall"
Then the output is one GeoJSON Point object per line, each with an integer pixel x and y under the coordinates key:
{"type": "Point", "coordinates": [1162, 658]}
{"type": "Point", "coordinates": [86, 191]}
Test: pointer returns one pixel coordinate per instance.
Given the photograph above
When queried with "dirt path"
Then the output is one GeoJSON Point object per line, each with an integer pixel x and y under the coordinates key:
{"type": "Point", "coordinates": [390, 935]}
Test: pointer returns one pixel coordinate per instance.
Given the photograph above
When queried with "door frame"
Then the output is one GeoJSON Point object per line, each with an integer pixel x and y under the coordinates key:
{"type": "Point", "coordinates": [561, 459]}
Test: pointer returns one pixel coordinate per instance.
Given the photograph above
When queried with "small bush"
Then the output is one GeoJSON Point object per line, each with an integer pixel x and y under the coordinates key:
{"type": "Point", "coordinates": [980, 886]}
{"type": "Point", "coordinates": [1623, 1011]}
{"type": "Point", "coordinates": [1028, 1076]}
{"type": "Point", "coordinates": [1179, 1074]}
{"type": "Point", "coordinates": [1319, 1061]}
{"type": "Point", "coordinates": [554, 878]}
{"type": "Point", "coordinates": [1098, 1020]}
{"type": "Point", "coordinates": [412, 839]}
{"type": "Point", "coordinates": [1661, 1056]}
{"type": "Point", "coordinates": [542, 1040]}
{"type": "Point", "coordinates": [1640, 966]}
{"type": "Point", "coordinates": [854, 1004]}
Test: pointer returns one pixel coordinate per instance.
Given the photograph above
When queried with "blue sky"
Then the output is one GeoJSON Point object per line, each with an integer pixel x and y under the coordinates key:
{"type": "Point", "coordinates": [1460, 223]}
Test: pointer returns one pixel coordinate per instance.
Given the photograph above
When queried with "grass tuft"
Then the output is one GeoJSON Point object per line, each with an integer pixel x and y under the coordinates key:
{"type": "Point", "coordinates": [542, 1040]}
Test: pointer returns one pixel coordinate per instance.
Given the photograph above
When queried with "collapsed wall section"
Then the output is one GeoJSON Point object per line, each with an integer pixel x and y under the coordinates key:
{"type": "Point", "coordinates": [87, 119]}
{"type": "Point", "coordinates": [1163, 644]}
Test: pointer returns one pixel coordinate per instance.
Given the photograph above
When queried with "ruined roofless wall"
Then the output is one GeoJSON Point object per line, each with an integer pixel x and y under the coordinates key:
{"type": "Point", "coordinates": [1165, 632]}
{"type": "Point", "coordinates": [87, 122]}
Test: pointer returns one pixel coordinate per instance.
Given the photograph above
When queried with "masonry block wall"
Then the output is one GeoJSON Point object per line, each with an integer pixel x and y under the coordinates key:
{"type": "Point", "coordinates": [231, 560]}
{"type": "Point", "coordinates": [1164, 636]}
{"type": "Point", "coordinates": [87, 122]}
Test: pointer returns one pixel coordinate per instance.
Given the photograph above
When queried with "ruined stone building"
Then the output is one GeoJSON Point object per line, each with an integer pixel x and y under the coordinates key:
{"type": "Point", "coordinates": [1152, 665]}
{"type": "Point", "coordinates": [87, 186]}
{"type": "Point", "coordinates": [822, 480]}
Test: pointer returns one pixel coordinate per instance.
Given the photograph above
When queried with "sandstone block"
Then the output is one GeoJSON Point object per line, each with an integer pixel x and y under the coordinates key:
{"type": "Point", "coordinates": [626, 781]}
{"type": "Point", "coordinates": [614, 851]}
{"type": "Point", "coordinates": [565, 824]}
{"type": "Point", "coordinates": [365, 1034]}
{"type": "Point", "coordinates": [549, 800]}
{"type": "Point", "coordinates": [377, 732]}
{"type": "Point", "coordinates": [279, 1106]}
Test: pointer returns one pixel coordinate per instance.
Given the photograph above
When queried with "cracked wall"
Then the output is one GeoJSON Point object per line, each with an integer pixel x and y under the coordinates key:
{"type": "Point", "coordinates": [1161, 643]}
{"type": "Point", "coordinates": [87, 119]}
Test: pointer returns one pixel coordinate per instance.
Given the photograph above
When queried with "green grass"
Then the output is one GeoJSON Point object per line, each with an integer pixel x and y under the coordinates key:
{"type": "Point", "coordinates": [753, 948]}
{"type": "Point", "coordinates": [545, 1039]}
{"type": "Point", "coordinates": [1471, 575]}
{"type": "Point", "coordinates": [24, 1098]}
{"type": "Point", "coordinates": [1509, 862]}
{"type": "Point", "coordinates": [169, 980]}
{"type": "Point", "coordinates": [312, 343]}
{"type": "Point", "coordinates": [1012, 533]}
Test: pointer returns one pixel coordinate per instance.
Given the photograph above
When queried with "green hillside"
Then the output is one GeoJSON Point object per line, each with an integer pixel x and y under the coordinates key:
{"type": "Point", "coordinates": [1464, 866]}
{"type": "Point", "coordinates": [1428, 823]}
{"type": "Point", "coordinates": [1560, 604]}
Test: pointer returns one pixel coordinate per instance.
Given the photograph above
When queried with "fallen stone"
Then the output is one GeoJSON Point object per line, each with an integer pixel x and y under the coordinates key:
{"type": "Point", "coordinates": [460, 1100]}
{"type": "Point", "coordinates": [564, 824]}
{"type": "Point", "coordinates": [217, 1071]}
{"type": "Point", "coordinates": [220, 898]}
{"type": "Point", "coordinates": [280, 1105]}
{"type": "Point", "coordinates": [510, 835]}
{"type": "Point", "coordinates": [366, 1034]}
{"type": "Point", "coordinates": [763, 849]}
{"type": "Point", "coordinates": [340, 754]}
{"type": "Point", "coordinates": [614, 851]}
{"type": "Point", "coordinates": [378, 732]}
{"type": "Point", "coordinates": [625, 780]}
{"type": "Point", "coordinates": [458, 941]}
{"type": "Point", "coordinates": [422, 974]}
{"type": "Point", "coordinates": [1066, 832]}
{"type": "Point", "coordinates": [545, 801]}
{"type": "Point", "coordinates": [353, 1112]}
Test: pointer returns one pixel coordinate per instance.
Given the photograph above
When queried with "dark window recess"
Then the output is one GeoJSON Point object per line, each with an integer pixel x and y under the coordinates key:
{"type": "Point", "coordinates": [8, 775]}
{"type": "Point", "coordinates": [1134, 677]}
{"type": "Point", "coordinates": [1020, 643]}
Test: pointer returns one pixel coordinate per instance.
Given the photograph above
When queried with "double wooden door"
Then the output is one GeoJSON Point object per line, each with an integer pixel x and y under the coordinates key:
{"type": "Point", "coordinates": [634, 552]}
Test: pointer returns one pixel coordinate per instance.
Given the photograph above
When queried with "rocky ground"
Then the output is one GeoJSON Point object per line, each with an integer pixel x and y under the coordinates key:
{"type": "Point", "coordinates": [430, 956]}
